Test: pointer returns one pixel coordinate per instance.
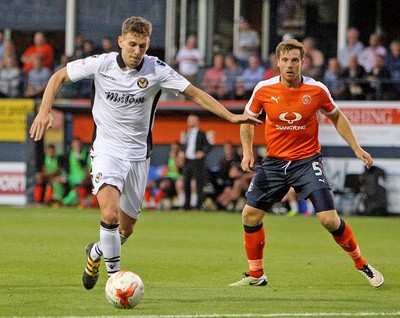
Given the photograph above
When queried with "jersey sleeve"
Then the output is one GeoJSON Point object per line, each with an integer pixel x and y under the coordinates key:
{"type": "Point", "coordinates": [84, 68]}
{"type": "Point", "coordinates": [170, 80]}
{"type": "Point", "coordinates": [255, 106]}
{"type": "Point", "coordinates": [328, 106]}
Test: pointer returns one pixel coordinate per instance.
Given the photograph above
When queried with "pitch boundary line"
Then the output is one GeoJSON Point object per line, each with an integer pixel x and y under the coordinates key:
{"type": "Point", "coordinates": [292, 315]}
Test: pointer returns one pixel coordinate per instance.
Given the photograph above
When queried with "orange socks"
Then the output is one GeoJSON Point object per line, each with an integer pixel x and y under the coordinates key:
{"type": "Point", "coordinates": [345, 238]}
{"type": "Point", "coordinates": [254, 241]}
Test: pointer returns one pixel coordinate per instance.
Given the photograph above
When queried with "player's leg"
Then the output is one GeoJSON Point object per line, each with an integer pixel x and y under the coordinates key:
{"type": "Point", "coordinates": [254, 241]}
{"type": "Point", "coordinates": [342, 234]}
{"type": "Point", "coordinates": [261, 195]}
{"type": "Point", "coordinates": [108, 175]}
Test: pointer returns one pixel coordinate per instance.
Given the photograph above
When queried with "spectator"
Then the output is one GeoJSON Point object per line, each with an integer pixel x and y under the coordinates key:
{"type": "Point", "coordinates": [219, 175]}
{"type": "Point", "coordinates": [353, 47]}
{"type": "Point", "coordinates": [333, 79]}
{"type": "Point", "coordinates": [357, 86]}
{"type": "Point", "coordinates": [213, 80]}
{"type": "Point", "coordinates": [77, 167]}
{"type": "Point", "coordinates": [39, 48]}
{"type": "Point", "coordinates": [10, 78]}
{"type": "Point", "coordinates": [316, 55]}
{"type": "Point", "coordinates": [239, 183]}
{"type": "Point", "coordinates": [393, 63]}
{"type": "Point", "coordinates": [273, 69]}
{"type": "Point", "coordinates": [88, 48]}
{"type": "Point", "coordinates": [189, 60]}
{"type": "Point", "coordinates": [310, 69]}
{"type": "Point", "coordinates": [78, 49]}
{"type": "Point", "coordinates": [380, 78]}
{"type": "Point", "coordinates": [195, 148]}
{"type": "Point", "coordinates": [250, 78]}
{"type": "Point", "coordinates": [8, 51]}
{"type": "Point", "coordinates": [70, 89]}
{"type": "Point", "coordinates": [165, 185]}
{"type": "Point", "coordinates": [1, 45]}
{"type": "Point", "coordinates": [107, 46]}
{"type": "Point", "coordinates": [49, 182]}
{"type": "Point", "coordinates": [38, 77]}
{"type": "Point", "coordinates": [233, 70]}
{"type": "Point", "coordinates": [368, 54]}
{"type": "Point", "coordinates": [248, 42]}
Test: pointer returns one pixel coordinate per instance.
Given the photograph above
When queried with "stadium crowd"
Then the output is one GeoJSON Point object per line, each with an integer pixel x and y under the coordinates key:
{"type": "Point", "coordinates": [362, 71]}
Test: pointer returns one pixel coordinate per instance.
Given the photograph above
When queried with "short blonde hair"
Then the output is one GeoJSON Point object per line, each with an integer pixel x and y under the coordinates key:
{"type": "Point", "coordinates": [289, 45]}
{"type": "Point", "coordinates": [137, 25]}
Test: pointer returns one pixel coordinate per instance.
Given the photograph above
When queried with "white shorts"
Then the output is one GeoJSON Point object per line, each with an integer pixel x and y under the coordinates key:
{"type": "Point", "coordinates": [130, 177]}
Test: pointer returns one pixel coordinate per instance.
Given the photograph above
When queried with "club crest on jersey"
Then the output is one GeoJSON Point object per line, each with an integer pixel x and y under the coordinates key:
{"type": "Point", "coordinates": [143, 82]}
{"type": "Point", "coordinates": [98, 177]}
{"type": "Point", "coordinates": [306, 99]}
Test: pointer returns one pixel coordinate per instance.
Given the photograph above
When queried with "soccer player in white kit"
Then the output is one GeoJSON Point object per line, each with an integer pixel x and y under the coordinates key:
{"type": "Point", "coordinates": [128, 85]}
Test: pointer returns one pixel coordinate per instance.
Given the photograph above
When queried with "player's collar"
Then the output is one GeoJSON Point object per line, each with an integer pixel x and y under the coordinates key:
{"type": "Point", "coordinates": [122, 64]}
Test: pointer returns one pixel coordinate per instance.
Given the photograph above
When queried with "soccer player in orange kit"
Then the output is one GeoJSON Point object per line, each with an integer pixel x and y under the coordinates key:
{"type": "Point", "coordinates": [291, 102]}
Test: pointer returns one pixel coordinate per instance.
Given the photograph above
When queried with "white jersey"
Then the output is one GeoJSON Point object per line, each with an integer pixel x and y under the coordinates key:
{"type": "Point", "coordinates": [125, 101]}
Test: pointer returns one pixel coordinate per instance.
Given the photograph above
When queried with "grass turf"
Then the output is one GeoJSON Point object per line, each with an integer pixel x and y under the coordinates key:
{"type": "Point", "coordinates": [187, 259]}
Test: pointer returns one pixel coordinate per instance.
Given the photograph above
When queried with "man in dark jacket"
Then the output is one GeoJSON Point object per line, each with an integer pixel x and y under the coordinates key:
{"type": "Point", "coordinates": [195, 146]}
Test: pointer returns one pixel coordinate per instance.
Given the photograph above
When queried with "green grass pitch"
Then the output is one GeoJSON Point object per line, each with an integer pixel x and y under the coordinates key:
{"type": "Point", "coordinates": [187, 259]}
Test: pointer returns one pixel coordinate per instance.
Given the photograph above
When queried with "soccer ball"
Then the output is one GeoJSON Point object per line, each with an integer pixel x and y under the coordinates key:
{"type": "Point", "coordinates": [124, 289]}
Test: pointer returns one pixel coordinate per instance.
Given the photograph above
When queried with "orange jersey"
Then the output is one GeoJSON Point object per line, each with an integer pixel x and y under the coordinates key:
{"type": "Point", "coordinates": [291, 126]}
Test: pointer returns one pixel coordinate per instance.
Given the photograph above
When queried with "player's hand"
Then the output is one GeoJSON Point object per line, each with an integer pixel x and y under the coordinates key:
{"type": "Point", "coordinates": [365, 157]}
{"type": "Point", "coordinates": [245, 119]}
{"type": "Point", "coordinates": [43, 121]}
{"type": "Point", "coordinates": [248, 163]}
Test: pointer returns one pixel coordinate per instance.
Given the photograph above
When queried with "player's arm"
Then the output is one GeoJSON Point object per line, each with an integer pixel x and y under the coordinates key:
{"type": "Point", "coordinates": [246, 137]}
{"type": "Point", "coordinates": [43, 120]}
{"type": "Point", "coordinates": [345, 130]}
{"type": "Point", "coordinates": [209, 103]}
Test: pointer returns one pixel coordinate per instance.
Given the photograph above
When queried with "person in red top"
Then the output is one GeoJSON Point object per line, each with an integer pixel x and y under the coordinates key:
{"type": "Point", "coordinates": [39, 47]}
{"type": "Point", "coordinates": [291, 103]}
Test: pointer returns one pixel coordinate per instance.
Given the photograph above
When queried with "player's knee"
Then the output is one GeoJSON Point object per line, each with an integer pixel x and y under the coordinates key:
{"type": "Point", "coordinates": [329, 220]}
{"type": "Point", "coordinates": [109, 216]}
{"type": "Point", "coordinates": [252, 216]}
{"type": "Point", "coordinates": [125, 230]}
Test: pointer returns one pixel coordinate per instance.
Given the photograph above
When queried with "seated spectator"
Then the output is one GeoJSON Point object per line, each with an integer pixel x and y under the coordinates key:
{"type": "Point", "coordinates": [357, 85]}
{"type": "Point", "coordinates": [1, 45]}
{"type": "Point", "coordinates": [251, 76]}
{"type": "Point", "coordinates": [316, 55]}
{"type": "Point", "coordinates": [10, 78]}
{"type": "Point", "coordinates": [309, 69]}
{"type": "Point", "coordinates": [78, 48]}
{"type": "Point", "coordinates": [213, 80]}
{"type": "Point", "coordinates": [219, 175]}
{"type": "Point", "coordinates": [40, 48]}
{"type": "Point", "coordinates": [273, 69]}
{"type": "Point", "coordinates": [49, 182]}
{"type": "Point", "coordinates": [38, 77]}
{"type": "Point", "coordinates": [78, 178]}
{"type": "Point", "coordinates": [8, 51]}
{"type": "Point", "coordinates": [393, 63]}
{"type": "Point", "coordinates": [70, 89]}
{"type": "Point", "coordinates": [368, 54]}
{"type": "Point", "coordinates": [229, 198]}
{"type": "Point", "coordinates": [107, 46]}
{"type": "Point", "coordinates": [88, 48]}
{"type": "Point", "coordinates": [333, 79]}
{"type": "Point", "coordinates": [380, 78]}
{"type": "Point", "coordinates": [233, 70]}
{"type": "Point", "coordinates": [165, 182]}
